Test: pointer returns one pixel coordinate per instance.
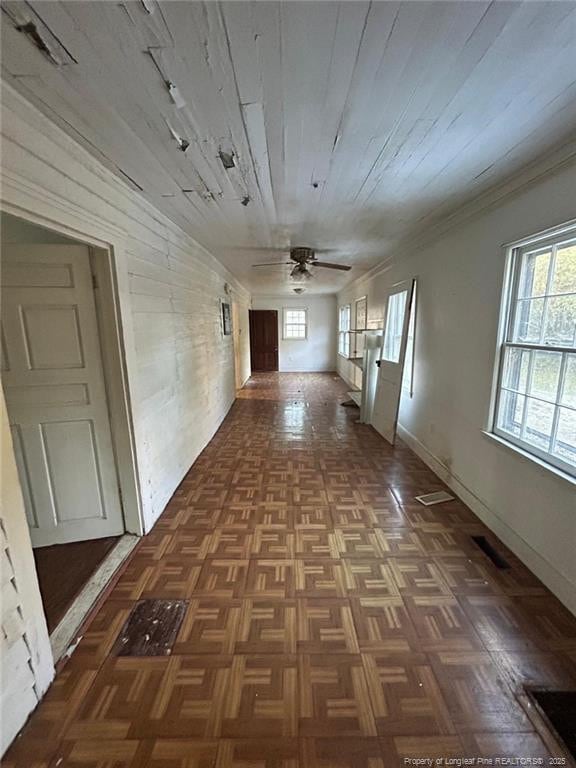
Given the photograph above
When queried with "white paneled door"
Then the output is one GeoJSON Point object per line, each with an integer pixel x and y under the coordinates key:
{"type": "Point", "coordinates": [55, 394]}
{"type": "Point", "coordinates": [393, 353]}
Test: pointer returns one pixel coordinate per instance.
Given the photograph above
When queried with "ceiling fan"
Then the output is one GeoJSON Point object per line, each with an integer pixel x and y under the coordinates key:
{"type": "Point", "coordinates": [300, 260]}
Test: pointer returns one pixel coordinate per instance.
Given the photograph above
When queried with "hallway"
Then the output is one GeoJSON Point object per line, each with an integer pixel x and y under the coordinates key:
{"type": "Point", "coordinates": [331, 620]}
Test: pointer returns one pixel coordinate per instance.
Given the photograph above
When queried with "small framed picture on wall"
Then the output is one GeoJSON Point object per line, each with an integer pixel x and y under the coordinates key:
{"type": "Point", "coordinates": [226, 318]}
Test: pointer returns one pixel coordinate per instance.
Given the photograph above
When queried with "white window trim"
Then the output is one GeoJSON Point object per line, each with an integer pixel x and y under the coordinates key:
{"type": "Point", "coordinates": [294, 309]}
{"type": "Point", "coordinates": [513, 253]}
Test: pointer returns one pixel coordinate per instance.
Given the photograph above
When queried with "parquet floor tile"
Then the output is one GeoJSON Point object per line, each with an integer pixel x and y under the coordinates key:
{"type": "Point", "coordinates": [405, 696]}
{"type": "Point", "coordinates": [342, 753]}
{"type": "Point", "coordinates": [418, 576]}
{"type": "Point", "coordinates": [334, 696]}
{"type": "Point", "coordinates": [401, 748]}
{"type": "Point", "coordinates": [159, 753]}
{"type": "Point", "coordinates": [261, 699]}
{"type": "Point", "coordinates": [155, 697]}
{"type": "Point", "coordinates": [210, 626]}
{"type": "Point", "coordinates": [326, 626]}
{"type": "Point", "coordinates": [267, 626]}
{"type": "Point", "coordinates": [441, 624]}
{"type": "Point", "coordinates": [476, 693]}
{"type": "Point", "coordinates": [383, 624]}
{"type": "Point", "coordinates": [331, 620]}
{"type": "Point", "coordinates": [258, 753]}
{"type": "Point", "coordinates": [320, 578]}
{"type": "Point", "coordinates": [270, 578]}
{"type": "Point", "coordinates": [500, 623]}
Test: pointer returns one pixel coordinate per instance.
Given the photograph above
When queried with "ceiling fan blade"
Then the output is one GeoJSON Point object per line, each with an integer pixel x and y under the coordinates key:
{"type": "Point", "coordinates": [274, 264]}
{"type": "Point", "coordinates": [259, 249]}
{"type": "Point", "coordinates": [329, 265]}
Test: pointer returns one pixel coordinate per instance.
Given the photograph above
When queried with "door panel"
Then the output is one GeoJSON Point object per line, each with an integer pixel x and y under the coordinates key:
{"type": "Point", "coordinates": [391, 363]}
{"type": "Point", "coordinates": [68, 444]}
{"type": "Point", "coordinates": [51, 337]}
{"type": "Point", "coordinates": [264, 339]}
{"type": "Point", "coordinates": [54, 386]}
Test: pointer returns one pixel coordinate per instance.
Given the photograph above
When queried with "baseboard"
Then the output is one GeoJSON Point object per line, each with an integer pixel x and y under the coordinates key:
{"type": "Point", "coordinates": [347, 381]}
{"type": "Point", "coordinates": [306, 370]}
{"type": "Point", "coordinates": [558, 584]}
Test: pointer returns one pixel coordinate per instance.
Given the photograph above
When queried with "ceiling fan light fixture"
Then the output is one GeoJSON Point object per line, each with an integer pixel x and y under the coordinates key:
{"type": "Point", "coordinates": [300, 274]}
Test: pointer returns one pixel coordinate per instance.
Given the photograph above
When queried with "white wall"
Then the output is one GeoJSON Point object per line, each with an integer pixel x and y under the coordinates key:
{"type": "Point", "coordinates": [179, 367]}
{"type": "Point", "coordinates": [318, 351]}
{"type": "Point", "coordinates": [460, 278]}
{"type": "Point", "coordinates": [26, 658]}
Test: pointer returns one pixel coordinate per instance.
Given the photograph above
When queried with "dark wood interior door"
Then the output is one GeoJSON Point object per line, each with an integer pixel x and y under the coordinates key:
{"type": "Point", "coordinates": [264, 339]}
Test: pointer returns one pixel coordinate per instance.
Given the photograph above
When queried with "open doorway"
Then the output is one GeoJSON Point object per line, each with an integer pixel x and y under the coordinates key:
{"type": "Point", "coordinates": [59, 376]}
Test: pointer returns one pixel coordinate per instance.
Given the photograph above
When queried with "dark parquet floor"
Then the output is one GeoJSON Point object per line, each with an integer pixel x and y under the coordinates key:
{"type": "Point", "coordinates": [331, 619]}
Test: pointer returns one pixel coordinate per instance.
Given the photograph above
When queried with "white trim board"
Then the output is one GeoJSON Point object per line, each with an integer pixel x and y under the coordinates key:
{"type": "Point", "coordinates": [63, 635]}
{"type": "Point", "coordinates": [545, 571]}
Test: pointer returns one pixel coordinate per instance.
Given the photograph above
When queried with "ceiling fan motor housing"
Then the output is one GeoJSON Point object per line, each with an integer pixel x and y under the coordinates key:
{"type": "Point", "coordinates": [302, 255]}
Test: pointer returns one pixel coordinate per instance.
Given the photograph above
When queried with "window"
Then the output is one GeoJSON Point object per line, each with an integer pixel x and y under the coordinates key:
{"type": "Point", "coordinates": [361, 313]}
{"type": "Point", "coordinates": [343, 331]}
{"type": "Point", "coordinates": [394, 326]}
{"type": "Point", "coordinates": [536, 398]}
{"type": "Point", "coordinates": [295, 324]}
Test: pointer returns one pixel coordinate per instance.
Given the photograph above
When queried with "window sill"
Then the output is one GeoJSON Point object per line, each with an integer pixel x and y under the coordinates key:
{"type": "Point", "coordinates": [530, 457]}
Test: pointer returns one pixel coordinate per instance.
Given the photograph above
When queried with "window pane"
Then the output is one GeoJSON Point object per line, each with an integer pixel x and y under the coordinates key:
{"type": "Point", "coordinates": [564, 280]}
{"type": "Point", "coordinates": [534, 275]}
{"type": "Point", "coordinates": [295, 331]}
{"type": "Point", "coordinates": [394, 325]}
{"type": "Point", "coordinates": [539, 418]}
{"type": "Point", "coordinates": [529, 315]}
{"type": "Point", "coordinates": [516, 363]}
{"type": "Point", "coordinates": [510, 412]}
{"type": "Point", "coordinates": [409, 361]}
{"type": "Point", "coordinates": [344, 318]}
{"type": "Point", "coordinates": [565, 446]}
{"type": "Point", "coordinates": [545, 375]}
{"type": "Point", "coordinates": [569, 387]}
{"type": "Point", "coordinates": [561, 320]}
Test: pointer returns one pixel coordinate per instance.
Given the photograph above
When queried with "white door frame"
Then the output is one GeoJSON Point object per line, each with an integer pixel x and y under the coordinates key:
{"type": "Point", "coordinates": [110, 326]}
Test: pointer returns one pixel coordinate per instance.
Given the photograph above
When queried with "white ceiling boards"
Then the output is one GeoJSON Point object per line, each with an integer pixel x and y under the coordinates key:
{"type": "Point", "coordinates": [341, 126]}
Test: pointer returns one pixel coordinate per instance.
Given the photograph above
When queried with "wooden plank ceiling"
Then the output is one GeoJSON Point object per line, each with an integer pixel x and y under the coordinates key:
{"type": "Point", "coordinates": [353, 125]}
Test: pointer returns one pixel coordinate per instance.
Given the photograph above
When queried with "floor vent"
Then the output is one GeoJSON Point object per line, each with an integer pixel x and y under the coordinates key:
{"type": "Point", "coordinates": [151, 628]}
{"type": "Point", "coordinates": [438, 497]}
{"type": "Point", "coordinates": [559, 709]}
{"type": "Point", "coordinates": [489, 551]}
